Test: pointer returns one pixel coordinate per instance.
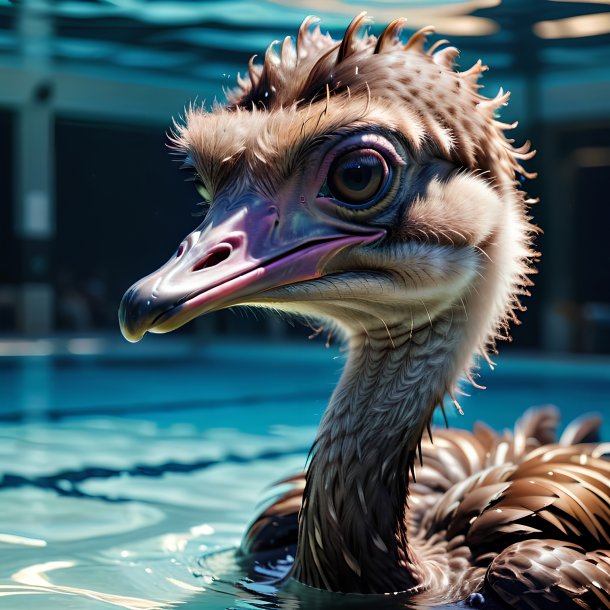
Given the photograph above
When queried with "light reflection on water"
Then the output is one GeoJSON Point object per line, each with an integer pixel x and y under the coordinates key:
{"type": "Point", "coordinates": [145, 542]}
{"type": "Point", "coordinates": [114, 539]}
{"type": "Point", "coordinates": [35, 386]}
{"type": "Point", "coordinates": [121, 554]}
{"type": "Point", "coordinates": [36, 578]}
{"type": "Point", "coordinates": [136, 511]}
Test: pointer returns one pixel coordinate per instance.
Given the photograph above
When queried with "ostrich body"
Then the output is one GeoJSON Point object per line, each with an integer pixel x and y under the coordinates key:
{"type": "Point", "coordinates": [366, 183]}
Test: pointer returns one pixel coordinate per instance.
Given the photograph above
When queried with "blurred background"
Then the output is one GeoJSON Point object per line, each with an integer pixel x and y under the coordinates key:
{"type": "Point", "coordinates": [120, 464]}
{"type": "Point", "coordinates": [90, 199]}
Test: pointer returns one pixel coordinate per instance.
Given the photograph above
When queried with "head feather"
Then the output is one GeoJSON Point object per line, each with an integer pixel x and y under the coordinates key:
{"type": "Point", "coordinates": [461, 124]}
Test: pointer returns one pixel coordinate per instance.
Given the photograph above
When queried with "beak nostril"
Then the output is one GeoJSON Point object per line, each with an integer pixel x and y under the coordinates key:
{"type": "Point", "coordinates": [180, 251]}
{"type": "Point", "coordinates": [212, 259]}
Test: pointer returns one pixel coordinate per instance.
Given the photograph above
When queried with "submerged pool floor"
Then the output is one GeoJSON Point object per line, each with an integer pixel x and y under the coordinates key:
{"type": "Point", "coordinates": [119, 473]}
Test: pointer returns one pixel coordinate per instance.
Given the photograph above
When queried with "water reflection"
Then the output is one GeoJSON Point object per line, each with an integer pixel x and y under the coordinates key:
{"type": "Point", "coordinates": [35, 578]}
{"type": "Point", "coordinates": [133, 513]}
{"type": "Point", "coordinates": [268, 585]}
{"type": "Point", "coordinates": [35, 385]}
{"type": "Point", "coordinates": [224, 587]}
{"type": "Point", "coordinates": [21, 540]}
{"type": "Point", "coordinates": [137, 551]}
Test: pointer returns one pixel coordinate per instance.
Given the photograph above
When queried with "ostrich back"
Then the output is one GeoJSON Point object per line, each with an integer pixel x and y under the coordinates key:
{"type": "Point", "coordinates": [521, 517]}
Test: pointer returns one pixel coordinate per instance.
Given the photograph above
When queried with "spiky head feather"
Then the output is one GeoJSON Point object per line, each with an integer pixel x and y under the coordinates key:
{"type": "Point", "coordinates": [447, 111]}
{"type": "Point", "coordinates": [274, 113]}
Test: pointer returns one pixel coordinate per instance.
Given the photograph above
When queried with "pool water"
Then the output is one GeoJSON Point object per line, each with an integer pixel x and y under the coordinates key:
{"type": "Point", "coordinates": [123, 471]}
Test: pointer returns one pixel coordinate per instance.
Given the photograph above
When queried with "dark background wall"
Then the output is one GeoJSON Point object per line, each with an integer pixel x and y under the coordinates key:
{"type": "Point", "coordinates": [123, 209]}
{"type": "Point", "coordinates": [6, 195]}
{"type": "Point", "coordinates": [110, 83]}
{"type": "Point", "coordinates": [8, 271]}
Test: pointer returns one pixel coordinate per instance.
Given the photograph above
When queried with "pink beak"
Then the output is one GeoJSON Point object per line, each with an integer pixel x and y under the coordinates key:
{"type": "Point", "coordinates": [234, 260]}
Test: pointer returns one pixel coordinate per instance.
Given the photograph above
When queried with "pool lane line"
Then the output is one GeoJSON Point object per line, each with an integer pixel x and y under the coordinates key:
{"type": "Point", "coordinates": [58, 482]}
{"type": "Point", "coordinates": [55, 414]}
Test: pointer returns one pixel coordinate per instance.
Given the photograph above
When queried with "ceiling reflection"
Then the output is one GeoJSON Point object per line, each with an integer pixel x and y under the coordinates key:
{"type": "Point", "coordinates": [574, 27]}
{"type": "Point", "coordinates": [453, 18]}
{"type": "Point", "coordinates": [208, 42]}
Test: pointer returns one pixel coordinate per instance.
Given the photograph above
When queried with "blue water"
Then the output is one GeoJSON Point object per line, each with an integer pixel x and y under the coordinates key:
{"type": "Point", "coordinates": [122, 469]}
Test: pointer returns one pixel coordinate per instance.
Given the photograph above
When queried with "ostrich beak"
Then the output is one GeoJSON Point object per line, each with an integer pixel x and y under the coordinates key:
{"type": "Point", "coordinates": [231, 261]}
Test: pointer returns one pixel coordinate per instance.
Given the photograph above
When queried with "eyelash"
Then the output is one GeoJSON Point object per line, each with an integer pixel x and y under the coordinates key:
{"type": "Point", "coordinates": [204, 209]}
{"type": "Point", "coordinates": [203, 206]}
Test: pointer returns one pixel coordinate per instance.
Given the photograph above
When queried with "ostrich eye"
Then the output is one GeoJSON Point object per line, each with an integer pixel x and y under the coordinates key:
{"type": "Point", "coordinates": [203, 192]}
{"type": "Point", "coordinates": [357, 178]}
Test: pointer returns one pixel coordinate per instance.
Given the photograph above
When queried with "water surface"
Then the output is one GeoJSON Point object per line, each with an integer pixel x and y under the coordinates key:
{"type": "Point", "coordinates": [121, 475]}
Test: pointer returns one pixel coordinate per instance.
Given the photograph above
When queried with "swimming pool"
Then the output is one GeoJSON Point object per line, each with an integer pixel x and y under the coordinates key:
{"type": "Point", "coordinates": [121, 468]}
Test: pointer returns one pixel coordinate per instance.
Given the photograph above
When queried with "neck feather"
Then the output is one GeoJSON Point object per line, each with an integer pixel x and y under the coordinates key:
{"type": "Point", "coordinates": [352, 528]}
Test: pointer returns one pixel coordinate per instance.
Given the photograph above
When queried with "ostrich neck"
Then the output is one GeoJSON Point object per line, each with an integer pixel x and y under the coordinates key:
{"type": "Point", "coordinates": [352, 534]}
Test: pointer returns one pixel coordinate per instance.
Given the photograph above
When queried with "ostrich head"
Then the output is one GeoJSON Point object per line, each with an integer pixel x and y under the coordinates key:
{"type": "Point", "coordinates": [367, 183]}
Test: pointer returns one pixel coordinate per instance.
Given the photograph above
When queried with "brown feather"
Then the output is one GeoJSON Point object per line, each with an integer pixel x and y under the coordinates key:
{"type": "Point", "coordinates": [510, 526]}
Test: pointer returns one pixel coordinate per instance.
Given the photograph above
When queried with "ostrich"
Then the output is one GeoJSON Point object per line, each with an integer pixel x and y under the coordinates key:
{"type": "Point", "coordinates": [366, 183]}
